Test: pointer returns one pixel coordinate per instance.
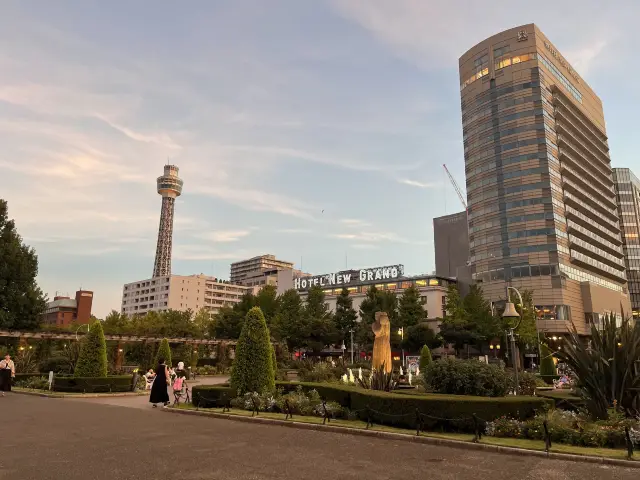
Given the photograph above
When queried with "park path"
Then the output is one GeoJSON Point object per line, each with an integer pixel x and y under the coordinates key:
{"type": "Point", "coordinates": [52, 439]}
{"type": "Point", "coordinates": [142, 401]}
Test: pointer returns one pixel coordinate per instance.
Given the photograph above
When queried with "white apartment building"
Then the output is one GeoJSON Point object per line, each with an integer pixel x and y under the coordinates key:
{"type": "Point", "coordinates": [178, 292]}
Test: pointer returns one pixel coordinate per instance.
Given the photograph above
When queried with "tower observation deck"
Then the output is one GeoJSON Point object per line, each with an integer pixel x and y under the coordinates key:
{"type": "Point", "coordinates": [170, 187]}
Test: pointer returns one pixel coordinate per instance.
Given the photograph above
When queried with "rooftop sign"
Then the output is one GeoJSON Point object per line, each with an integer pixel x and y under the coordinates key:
{"type": "Point", "coordinates": [348, 277]}
{"type": "Point", "coordinates": [562, 61]}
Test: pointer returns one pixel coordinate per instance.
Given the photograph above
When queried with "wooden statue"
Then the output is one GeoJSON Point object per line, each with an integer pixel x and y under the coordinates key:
{"type": "Point", "coordinates": [382, 344]}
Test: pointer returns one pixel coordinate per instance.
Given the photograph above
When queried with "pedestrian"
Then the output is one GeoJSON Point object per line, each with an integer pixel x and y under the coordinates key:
{"type": "Point", "coordinates": [7, 373]}
{"type": "Point", "coordinates": [159, 393]}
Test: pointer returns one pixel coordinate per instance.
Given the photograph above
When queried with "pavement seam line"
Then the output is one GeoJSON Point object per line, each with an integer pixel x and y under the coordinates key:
{"type": "Point", "coordinates": [412, 438]}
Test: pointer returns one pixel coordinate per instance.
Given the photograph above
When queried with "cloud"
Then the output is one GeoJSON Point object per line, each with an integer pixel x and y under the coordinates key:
{"type": "Point", "coordinates": [161, 139]}
{"type": "Point", "coordinates": [225, 236]}
{"type": "Point", "coordinates": [258, 200]}
{"type": "Point", "coordinates": [583, 58]}
{"type": "Point", "coordinates": [202, 252]}
{"type": "Point", "coordinates": [355, 222]}
{"type": "Point", "coordinates": [415, 183]}
{"type": "Point", "coordinates": [295, 230]}
{"type": "Point", "coordinates": [364, 246]}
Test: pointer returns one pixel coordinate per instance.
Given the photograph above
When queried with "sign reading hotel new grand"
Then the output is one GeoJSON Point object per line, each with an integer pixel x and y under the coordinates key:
{"type": "Point", "coordinates": [350, 276]}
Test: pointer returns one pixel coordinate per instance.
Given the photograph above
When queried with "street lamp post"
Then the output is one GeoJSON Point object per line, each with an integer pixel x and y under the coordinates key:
{"type": "Point", "coordinates": [511, 312]}
{"type": "Point", "coordinates": [401, 333]}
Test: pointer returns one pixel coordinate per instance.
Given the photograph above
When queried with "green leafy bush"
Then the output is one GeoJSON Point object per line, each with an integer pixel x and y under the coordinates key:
{"type": "Point", "coordinates": [319, 372]}
{"type": "Point", "coordinates": [253, 369]}
{"type": "Point", "coordinates": [547, 365]}
{"type": "Point", "coordinates": [164, 351]}
{"type": "Point", "coordinates": [399, 409]}
{"type": "Point", "coordinates": [210, 396]}
{"type": "Point", "coordinates": [425, 358]}
{"type": "Point", "coordinates": [527, 383]}
{"type": "Point", "coordinates": [92, 361]}
{"type": "Point", "coordinates": [35, 382]}
{"type": "Point", "coordinates": [120, 383]}
{"type": "Point", "coordinates": [467, 377]}
{"type": "Point", "coordinates": [568, 428]}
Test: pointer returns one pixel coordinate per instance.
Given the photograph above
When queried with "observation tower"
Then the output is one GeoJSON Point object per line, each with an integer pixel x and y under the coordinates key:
{"type": "Point", "coordinates": [170, 187]}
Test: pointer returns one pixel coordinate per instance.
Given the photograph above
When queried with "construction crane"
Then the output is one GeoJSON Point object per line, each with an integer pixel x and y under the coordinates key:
{"type": "Point", "coordinates": [455, 185]}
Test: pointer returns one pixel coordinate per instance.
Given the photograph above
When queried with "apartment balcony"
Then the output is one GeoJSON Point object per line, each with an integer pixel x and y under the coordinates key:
{"type": "Point", "coordinates": [589, 263]}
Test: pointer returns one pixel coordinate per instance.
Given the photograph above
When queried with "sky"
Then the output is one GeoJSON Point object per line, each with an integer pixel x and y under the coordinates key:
{"type": "Point", "coordinates": [312, 130]}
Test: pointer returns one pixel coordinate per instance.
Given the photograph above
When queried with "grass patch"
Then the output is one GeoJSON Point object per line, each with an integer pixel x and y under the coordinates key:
{"type": "Point", "coordinates": [526, 444]}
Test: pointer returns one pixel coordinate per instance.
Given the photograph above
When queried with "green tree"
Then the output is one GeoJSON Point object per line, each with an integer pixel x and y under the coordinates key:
{"type": "Point", "coordinates": [478, 315]}
{"type": "Point", "coordinates": [425, 358]}
{"type": "Point", "coordinates": [229, 320]}
{"type": "Point", "coordinates": [253, 369]}
{"type": "Point", "coordinates": [92, 360]}
{"type": "Point", "coordinates": [411, 308]}
{"type": "Point", "coordinates": [322, 330]}
{"type": "Point", "coordinates": [116, 323]}
{"type": "Point", "coordinates": [164, 351]}
{"type": "Point", "coordinates": [345, 317]}
{"type": "Point", "coordinates": [290, 324]}
{"type": "Point", "coordinates": [22, 303]}
{"type": "Point", "coordinates": [547, 365]}
{"type": "Point", "coordinates": [526, 331]}
{"type": "Point", "coordinates": [203, 323]}
{"type": "Point", "coordinates": [267, 300]}
{"type": "Point", "coordinates": [371, 304]}
{"type": "Point", "coordinates": [418, 335]}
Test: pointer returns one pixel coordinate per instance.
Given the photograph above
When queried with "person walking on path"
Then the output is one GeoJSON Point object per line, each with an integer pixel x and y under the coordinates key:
{"type": "Point", "coordinates": [7, 373]}
{"type": "Point", "coordinates": [159, 393]}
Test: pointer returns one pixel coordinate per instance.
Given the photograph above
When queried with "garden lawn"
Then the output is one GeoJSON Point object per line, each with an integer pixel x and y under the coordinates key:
{"type": "Point", "coordinates": [619, 454]}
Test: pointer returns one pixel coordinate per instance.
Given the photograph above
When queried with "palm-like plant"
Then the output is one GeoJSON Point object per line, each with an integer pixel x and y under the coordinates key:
{"type": "Point", "coordinates": [606, 369]}
{"type": "Point", "coordinates": [378, 380]}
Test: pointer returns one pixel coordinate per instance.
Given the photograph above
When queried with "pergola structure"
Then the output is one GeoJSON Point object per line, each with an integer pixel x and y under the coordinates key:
{"type": "Point", "coordinates": [121, 339]}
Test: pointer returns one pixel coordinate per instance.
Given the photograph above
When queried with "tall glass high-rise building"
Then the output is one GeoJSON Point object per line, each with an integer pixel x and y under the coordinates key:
{"type": "Point", "coordinates": [628, 196]}
{"type": "Point", "coordinates": [542, 204]}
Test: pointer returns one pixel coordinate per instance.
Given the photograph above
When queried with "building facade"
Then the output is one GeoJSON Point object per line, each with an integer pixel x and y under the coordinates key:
{"type": "Point", "coordinates": [541, 202]}
{"type": "Point", "coordinates": [64, 311]}
{"type": "Point", "coordinates": [628, 196]}
{"type": "Point", "coordinates": [451, 243]}
{"type": "Point", "coordinates": [432, 288]}
{"type": "Point", "coordinates": [178, 292]}
{"type": "Point", "coordinates": [263, 270]}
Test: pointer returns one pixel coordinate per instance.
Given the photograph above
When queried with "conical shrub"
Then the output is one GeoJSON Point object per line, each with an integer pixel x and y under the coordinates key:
{"type": "Point", "coordinates": [164, 351]}
{"type": "Point", "coordinates": [253, 369]}
{"type": "Point", "coordinates": [425, 358]}
{"type": "Point", "coordinates": [92, 361]}
{"type": "Point", "coordinates": [547, 365]}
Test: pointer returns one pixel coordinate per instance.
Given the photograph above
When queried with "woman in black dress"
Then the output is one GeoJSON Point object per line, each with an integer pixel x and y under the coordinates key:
{"type": "Point", "coordinates": [159, 393]}
{"type": "Point", "coordinates": [7, 373]}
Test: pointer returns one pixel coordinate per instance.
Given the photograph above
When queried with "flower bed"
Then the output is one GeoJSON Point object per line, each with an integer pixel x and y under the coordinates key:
{"type": "Point", "coordinates": [568, 428]}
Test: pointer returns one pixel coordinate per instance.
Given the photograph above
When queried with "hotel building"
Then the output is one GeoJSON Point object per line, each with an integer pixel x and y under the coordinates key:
{"type": "Point", "coordinates": [628, 196]}
{"type": "Point", "coordinates": [541, 200]}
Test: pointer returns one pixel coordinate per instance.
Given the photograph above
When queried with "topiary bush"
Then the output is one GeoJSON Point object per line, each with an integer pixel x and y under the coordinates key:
{"type": "Point", "coordinates": [547, 365]}
{"type": "Point", "coordinates": [92, 361]}
{"type": "Point", "coordinates": [164, 351]}
{"type": "Point", "coordinates": [425, 358]}
{"type": "Point", "coordinates": [467, 377]}
{"type": "Point", "coordinates": [253, 369]}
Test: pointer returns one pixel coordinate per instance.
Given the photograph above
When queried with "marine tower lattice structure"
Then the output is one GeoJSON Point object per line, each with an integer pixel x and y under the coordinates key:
{"type": "Point", "coordinates": [170, 187]}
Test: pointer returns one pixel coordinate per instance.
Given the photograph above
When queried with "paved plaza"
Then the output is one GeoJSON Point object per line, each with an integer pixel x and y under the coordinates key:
{"type": "Point", "coordinates": [48, 438]}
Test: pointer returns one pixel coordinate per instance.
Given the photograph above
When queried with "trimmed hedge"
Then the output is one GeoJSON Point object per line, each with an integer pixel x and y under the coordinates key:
{"type": "Point", "coordinates": [399, 409]}
{"type": "Point", "coordinates": [120, 383]}
{"type": "Point", "coordinates": [211, 396]}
